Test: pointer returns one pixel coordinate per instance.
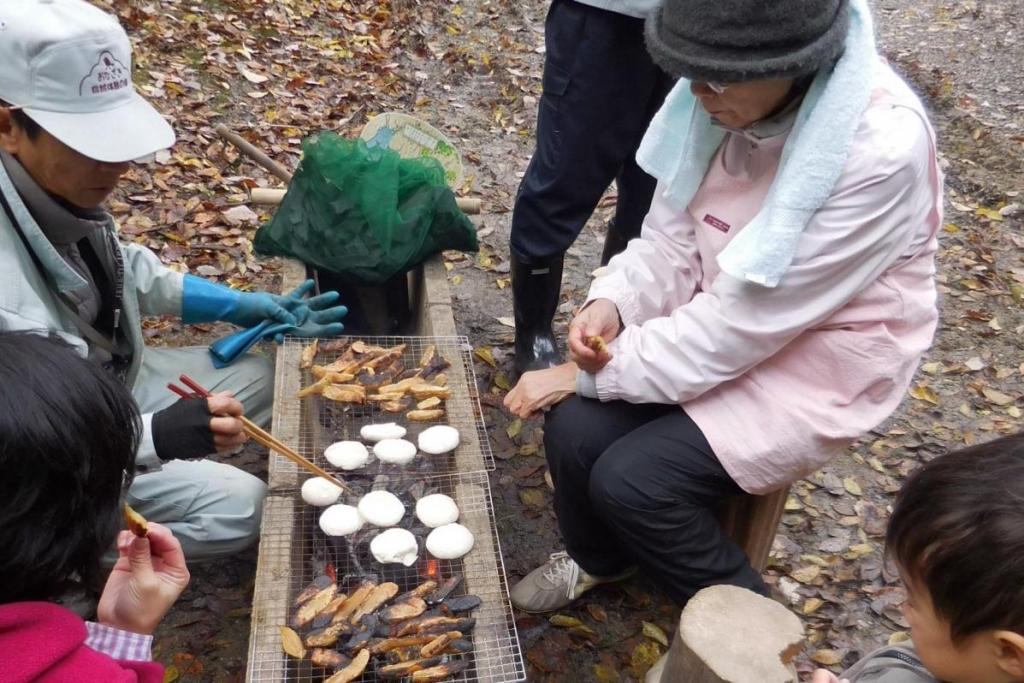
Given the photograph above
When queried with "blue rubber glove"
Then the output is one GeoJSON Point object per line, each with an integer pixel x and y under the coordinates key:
{"type": "Point", "coordinates": [320, 316]}
{"type": "Point", "coordinates": [205, 301]}
{"type": "Point", "coordinates": [316, 317]}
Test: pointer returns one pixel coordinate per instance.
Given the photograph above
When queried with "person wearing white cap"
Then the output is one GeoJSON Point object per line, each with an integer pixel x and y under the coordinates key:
{"type": "Point", "coordinates": [70, 123]}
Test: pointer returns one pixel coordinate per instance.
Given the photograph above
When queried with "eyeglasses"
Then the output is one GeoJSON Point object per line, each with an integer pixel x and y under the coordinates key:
{"type": "Point", "coordinates": [717, 88]}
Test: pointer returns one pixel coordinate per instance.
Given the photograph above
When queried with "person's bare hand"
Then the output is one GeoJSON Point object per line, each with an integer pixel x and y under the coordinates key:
{"type": "Point", "coordinates": [226, 423]}
{"type": "Point", "coordinates": [148, 577]}
{"type": "Point", "coordinates": [823, 676]}
{"type": "Point", "coordinates": [599, 319]}
{"type": "Point", "coordinates": [541, 389]}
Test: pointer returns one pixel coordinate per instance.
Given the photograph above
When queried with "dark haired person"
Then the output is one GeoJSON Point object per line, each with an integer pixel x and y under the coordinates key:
{"type": "Point", "coordinates": [774, 308]}
{"type": "Point", "coordinates": [957, 536]}
{"type": "Point", "coordinates": [68, 436]}
{"type": "Point", "coordinates": [70, 123]}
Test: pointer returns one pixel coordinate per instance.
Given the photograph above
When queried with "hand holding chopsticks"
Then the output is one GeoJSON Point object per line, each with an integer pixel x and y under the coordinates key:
{"type": "Point", "coordinates": [259, 435]}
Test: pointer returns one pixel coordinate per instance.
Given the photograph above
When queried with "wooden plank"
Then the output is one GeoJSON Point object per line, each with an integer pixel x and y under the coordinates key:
{"type": "Point", "coordinates": [270, 594]}
{"type": "Point", "coordinates": [293, 274]}
{"type": "Point", "coordinates": [286, 423]}
{"type": "Point", "coordinates": [436, 317]}
{"type": "Point", "coordinates": [494, 656]}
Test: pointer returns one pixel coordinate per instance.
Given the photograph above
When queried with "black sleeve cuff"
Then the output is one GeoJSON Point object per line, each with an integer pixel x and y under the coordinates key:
{"type": "Point", "coordinates": [182, 430]}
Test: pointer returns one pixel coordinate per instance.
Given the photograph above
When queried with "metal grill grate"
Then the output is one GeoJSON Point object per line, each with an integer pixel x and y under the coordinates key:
{"type": "Point", "coordinates": [294, 551]}
{"type": "Point", "coordinates": [291, 530]}
{"type": "Point", "coordinates": [318, 422]}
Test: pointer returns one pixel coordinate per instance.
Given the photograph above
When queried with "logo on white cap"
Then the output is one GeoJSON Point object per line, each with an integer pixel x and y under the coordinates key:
{"type": "Point", "coordinates": [108, 74]}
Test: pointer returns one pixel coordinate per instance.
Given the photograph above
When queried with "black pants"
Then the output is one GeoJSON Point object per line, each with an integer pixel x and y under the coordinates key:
{"type": "Point", "coordinates": [638, 484]}
{"type": "Point", "coordinates": [600, 90]}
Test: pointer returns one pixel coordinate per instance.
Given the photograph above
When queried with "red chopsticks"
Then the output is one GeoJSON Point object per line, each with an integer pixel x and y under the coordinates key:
{"type": "Point", "coordinates": [259, 435]}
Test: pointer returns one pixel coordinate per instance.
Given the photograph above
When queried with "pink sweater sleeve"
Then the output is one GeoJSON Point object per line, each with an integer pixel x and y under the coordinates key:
{"type": "Point", "coordinates": [655, 274]}
{"type": "Point", "coordinates": [51, 645]}
{"type": "Point", "coordinates": [877, 213]}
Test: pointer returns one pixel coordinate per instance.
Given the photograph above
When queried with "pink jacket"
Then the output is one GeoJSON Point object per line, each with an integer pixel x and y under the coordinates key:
{"type": "Point", "coordinates": [40, 641]}
{"type": "Point", "coordinates": [782, 379]}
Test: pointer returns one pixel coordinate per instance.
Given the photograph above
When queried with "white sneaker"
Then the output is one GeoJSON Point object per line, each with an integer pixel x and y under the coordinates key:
{"type": "Point", "coordinates": [555, 584]}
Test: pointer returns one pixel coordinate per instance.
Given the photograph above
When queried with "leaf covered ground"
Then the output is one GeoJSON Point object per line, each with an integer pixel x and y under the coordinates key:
{"type": "Point", "coordinates": [278, 70]}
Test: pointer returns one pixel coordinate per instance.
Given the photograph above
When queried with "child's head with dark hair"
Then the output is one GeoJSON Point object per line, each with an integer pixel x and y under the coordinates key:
{"type": "Point", "coordinates": [957, 534]}
{"type": "Point", "coordinates": [68, 435]}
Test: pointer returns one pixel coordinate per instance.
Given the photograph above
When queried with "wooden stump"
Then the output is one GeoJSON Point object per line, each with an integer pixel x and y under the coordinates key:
{"type": "Point", "coordinates": [751, 522]}
{"type": "Point", "coordinates": [732, 635]}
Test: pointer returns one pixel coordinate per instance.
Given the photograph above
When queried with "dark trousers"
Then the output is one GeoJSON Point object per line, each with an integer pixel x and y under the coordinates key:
{"type": "Point", "coordinates": [638, 484]}
{"type": "Point", "coordinates": [600, 90]}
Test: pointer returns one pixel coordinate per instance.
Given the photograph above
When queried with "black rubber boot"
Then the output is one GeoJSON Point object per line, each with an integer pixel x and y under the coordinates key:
{"type": "Point", "coordinates": [535, 290]}
{"type": "Point", "coordinates": [614, 242]}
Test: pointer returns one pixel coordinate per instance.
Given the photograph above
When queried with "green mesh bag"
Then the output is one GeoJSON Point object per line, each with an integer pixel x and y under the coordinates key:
{"type": "Point", "coordinates": [363, 213]}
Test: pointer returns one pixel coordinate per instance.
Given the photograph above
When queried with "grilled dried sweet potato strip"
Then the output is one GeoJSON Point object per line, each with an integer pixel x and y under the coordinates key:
{"type": "Point", "coordinates": [329, 659]}
{"type": "Point", "coordinates": [393, 672]}
{"type": "Point", "coordinates": [354, 601]}
{"type": "Point", "coordinates": [308, 354]}
{"type": "Point", "coordinates": [422, 391]}
{"type": "Point", "coordinates": [136, 522]}
{"type": "Point", "coordinates": [437, 645]}
{"type": "Point", "coordinates": [420, 624]}
{"type": "Point", "coordinates": [345, 393]}
{"type": "Point", "coordinates": [425, 415]}
{"type": "Point", "coordinates": [440, 672]}
{"type": "Point", "coordinates": [407, 609]}
{"type": "Point", "coordinates": [313, 606]}
{"type": "Point", "coordinates": [420, 591]}
{"type": "Point", "coordinates": [377, 597]}
{"type": "Point", "coordinates": [388, 644]}
{"type": "Point", "coordinates": [354, 670]}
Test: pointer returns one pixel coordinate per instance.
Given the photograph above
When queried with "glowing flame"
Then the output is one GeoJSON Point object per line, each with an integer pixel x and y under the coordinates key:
{"type": "Point", "coordinates": [432, 569]}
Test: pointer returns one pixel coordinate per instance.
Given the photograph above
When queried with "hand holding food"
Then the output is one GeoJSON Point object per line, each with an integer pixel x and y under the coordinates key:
{"type": "Point", "coordinates": [148, 577]}
{"type": "Point", "coordinates": [226, 423]}
{"type": "Point", "coordinates": [600, 320]}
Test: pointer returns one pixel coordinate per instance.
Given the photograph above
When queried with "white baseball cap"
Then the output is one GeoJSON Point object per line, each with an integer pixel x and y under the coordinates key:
{"type": "Point", "coordinates": [68, 65]}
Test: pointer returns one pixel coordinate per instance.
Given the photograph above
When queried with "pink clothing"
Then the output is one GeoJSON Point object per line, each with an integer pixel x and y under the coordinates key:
{"type": "Point", "coordinates": [782, 379]}
{"type": "Point", "coordinates": [41, 641]}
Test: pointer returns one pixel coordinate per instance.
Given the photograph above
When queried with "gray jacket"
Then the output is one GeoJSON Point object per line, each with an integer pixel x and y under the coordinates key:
{"type": "Point", "coordinates": [890, 664]}
{"type": "Point", "coordinates": [631, 8]}
{"type": "Point", "coordinates": [27, 303]}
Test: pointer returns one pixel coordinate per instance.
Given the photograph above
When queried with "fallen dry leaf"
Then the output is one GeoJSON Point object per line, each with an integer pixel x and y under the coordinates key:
{"type": "Point", "coordinates": [826, 657]}
{"type": "Point", "coordinates": [655, 632]}
{"type": "Point", "coordinates": [922, 392]}
{"type": "Point", "coordinates": [997, 397]}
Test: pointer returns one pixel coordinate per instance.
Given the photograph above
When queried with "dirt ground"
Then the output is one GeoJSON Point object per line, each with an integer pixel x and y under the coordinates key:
{"type": "Point", "coordinates": [283, 69]}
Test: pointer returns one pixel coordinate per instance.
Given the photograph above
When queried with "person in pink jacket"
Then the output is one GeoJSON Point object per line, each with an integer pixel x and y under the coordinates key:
{"type": "Point", "coordinates": [774, 308]}
{"type": "Point", "coordinates": [68, 437]}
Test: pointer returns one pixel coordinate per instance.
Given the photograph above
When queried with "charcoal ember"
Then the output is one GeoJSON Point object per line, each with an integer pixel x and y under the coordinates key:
{"type": "Point", "coordinates": [461, 603]}
{"type": "Point", "coordinates": [322, 620]}
{"type": "Point", "coordinates": [357, 641]}
{"type": "Point", "coordinates": [460, 646]}
{"type": "Point", "coordinates": [370, 621]}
